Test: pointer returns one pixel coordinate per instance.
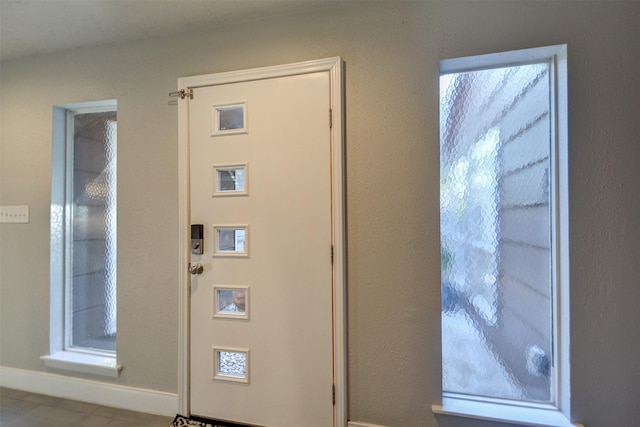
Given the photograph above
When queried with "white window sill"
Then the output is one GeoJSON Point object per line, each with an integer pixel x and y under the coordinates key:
{"type": "Point", "coordinates": [542, 416]}
{"type": "Point", "coordinates": [88, 363]}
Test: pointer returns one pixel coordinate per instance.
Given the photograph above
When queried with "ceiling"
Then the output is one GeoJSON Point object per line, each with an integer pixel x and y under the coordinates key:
{"type": "Point", "coordinates": [34, 27]}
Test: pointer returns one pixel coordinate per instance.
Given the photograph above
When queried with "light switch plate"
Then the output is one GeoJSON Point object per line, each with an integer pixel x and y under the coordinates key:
{"type": "Point", "coordinates": [14, 214]}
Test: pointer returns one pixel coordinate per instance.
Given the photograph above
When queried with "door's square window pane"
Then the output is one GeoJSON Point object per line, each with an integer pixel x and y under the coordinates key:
{"type": "Point", "coordinates": [228, 180]}
{"type": "Point", "coordinates": [231, 240]}
{"type": "Point", "coordinates": [231, 302]}
{"type": "Point", "coordinates": [231, 180]}
{"type": "Point", "coordinates": [229, 119]}
{"type": "Point", "coordinates": [231, 364]}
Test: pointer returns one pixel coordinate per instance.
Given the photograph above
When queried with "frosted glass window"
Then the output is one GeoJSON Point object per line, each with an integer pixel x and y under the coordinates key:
{"type": "Point", "coordinates": [93, 246]}
{"type": "Point", "coordinates": [496, 235]}
{"type": "Point", "coordinates": [84, 228]}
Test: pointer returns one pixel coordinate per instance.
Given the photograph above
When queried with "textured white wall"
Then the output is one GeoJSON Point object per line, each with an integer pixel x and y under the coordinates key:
{"type": "Point", "coordinates": [391, 51]}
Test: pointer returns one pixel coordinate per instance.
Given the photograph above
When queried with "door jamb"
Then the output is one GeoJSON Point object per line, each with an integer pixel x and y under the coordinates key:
{"type": "Point", "coordinates": [335, 68]}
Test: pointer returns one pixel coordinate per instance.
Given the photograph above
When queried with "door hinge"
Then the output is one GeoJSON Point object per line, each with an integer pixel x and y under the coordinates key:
{"type": "Point", "coordinates": [182, 94]}
{"type": "Point", "coordinates": [330, 118]}
{"type": "Point", "coordinates": [331, 254]}
{"type": "Point", "coordinates": [333, 394]}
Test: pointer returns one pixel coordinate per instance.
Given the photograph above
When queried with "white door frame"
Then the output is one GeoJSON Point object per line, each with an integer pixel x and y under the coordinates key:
{"type": "Point", "coordinates": [334, 67]}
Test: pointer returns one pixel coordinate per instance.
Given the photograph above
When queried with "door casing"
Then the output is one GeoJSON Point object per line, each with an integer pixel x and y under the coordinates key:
{"type": "Point", "coordinates": [334, 67]}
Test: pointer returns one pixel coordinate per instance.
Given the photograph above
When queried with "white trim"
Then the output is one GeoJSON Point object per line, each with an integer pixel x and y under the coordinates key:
{"type": "Point", "coordinates": [334, 67]}
{"type": "Point", "coordinates": [561, 227]}
{"type": "Point", "coordinates": [361, 424]}
{"type": "Point", "coordinates": [499, 59]}
{"type": "Point", "coordinates": [114, 395]}
{"type": "Point", "coordinates": [85, 362]}
{"type": "Point", "coordinates": [294, 69]}
{"type": "Point", "coordinates": [506, 412]}
{"type": "Point", "coordinates": [184, 252]}
{"type": "Point", "coordinates": [92, 106]}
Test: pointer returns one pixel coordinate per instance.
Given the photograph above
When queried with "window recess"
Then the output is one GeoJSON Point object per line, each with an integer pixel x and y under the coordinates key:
{"type": "Point", "coordinates": [504, 237]}
{"type": "Point", "coordinates": [83, 239]}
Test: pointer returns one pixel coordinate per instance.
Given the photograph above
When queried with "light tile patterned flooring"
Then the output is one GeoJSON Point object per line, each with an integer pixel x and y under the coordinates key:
{"type": "Point", "coordinates": [23, 409]}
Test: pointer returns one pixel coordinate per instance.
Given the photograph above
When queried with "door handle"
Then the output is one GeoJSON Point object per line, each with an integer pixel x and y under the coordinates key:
{"type": "Point", "coordinates": [196, 268]}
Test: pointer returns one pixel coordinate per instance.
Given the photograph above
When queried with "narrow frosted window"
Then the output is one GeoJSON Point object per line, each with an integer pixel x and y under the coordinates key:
{"type": "Point", "coordinates": [91, 200]}
{"type": "Point", "coordinates": [83, 262]}
{"type": "Point", "coordinates": [496, 232]}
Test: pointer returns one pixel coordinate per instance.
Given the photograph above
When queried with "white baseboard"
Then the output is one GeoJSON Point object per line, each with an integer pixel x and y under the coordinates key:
{"type": "Point", "coordinates": [358, 424]}
{"type": "Point", "coordinates": [115, 395]}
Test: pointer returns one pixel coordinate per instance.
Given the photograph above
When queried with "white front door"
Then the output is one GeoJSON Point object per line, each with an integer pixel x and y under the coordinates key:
{"type": "Point", "coordinates": [262, 310]}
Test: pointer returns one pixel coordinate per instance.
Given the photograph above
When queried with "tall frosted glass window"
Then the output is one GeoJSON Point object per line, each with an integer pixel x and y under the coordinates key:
{"type": "Point", "coordinates": [83, 228]}
{"type": "Point", "coordinates": [496, 182]}
{"type": "Point", "coordinates": [92, 203]}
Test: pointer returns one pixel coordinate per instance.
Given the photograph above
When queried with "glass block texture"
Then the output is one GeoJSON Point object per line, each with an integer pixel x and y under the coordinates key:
{"type": "Point", "coordinates": [495, 150]}
{"type": "Point", "coordinates": [232, 364]}
{"type": "Point", "coordinates": [93, 213]}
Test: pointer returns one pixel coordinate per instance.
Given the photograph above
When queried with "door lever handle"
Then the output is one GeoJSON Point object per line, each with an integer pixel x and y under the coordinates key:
{"type": "Point", "coordinates": [196, 268]}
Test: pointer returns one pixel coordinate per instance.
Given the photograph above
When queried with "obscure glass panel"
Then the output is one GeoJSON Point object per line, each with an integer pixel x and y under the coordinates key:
{"type": "Point", "coordinates": [231, 364]}
{"type": "Point", "coordinates": [230, 118]}
{"type": "Point", "coordinates": [93, 208]}
{"type": "Point", "coordinates": [231, 179]}
{"type": "Point", "coordinates": [495, 232]}
{"type": "Point", "coordinates": [225, 299]}
{"type": "Point", "coordinates": [231, 240]}
{"type": "Point", "coordinates": [231, 302]}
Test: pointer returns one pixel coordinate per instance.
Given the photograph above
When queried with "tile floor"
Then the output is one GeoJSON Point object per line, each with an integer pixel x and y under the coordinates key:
{"type": "Point", "coordinates": [23, 409]}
